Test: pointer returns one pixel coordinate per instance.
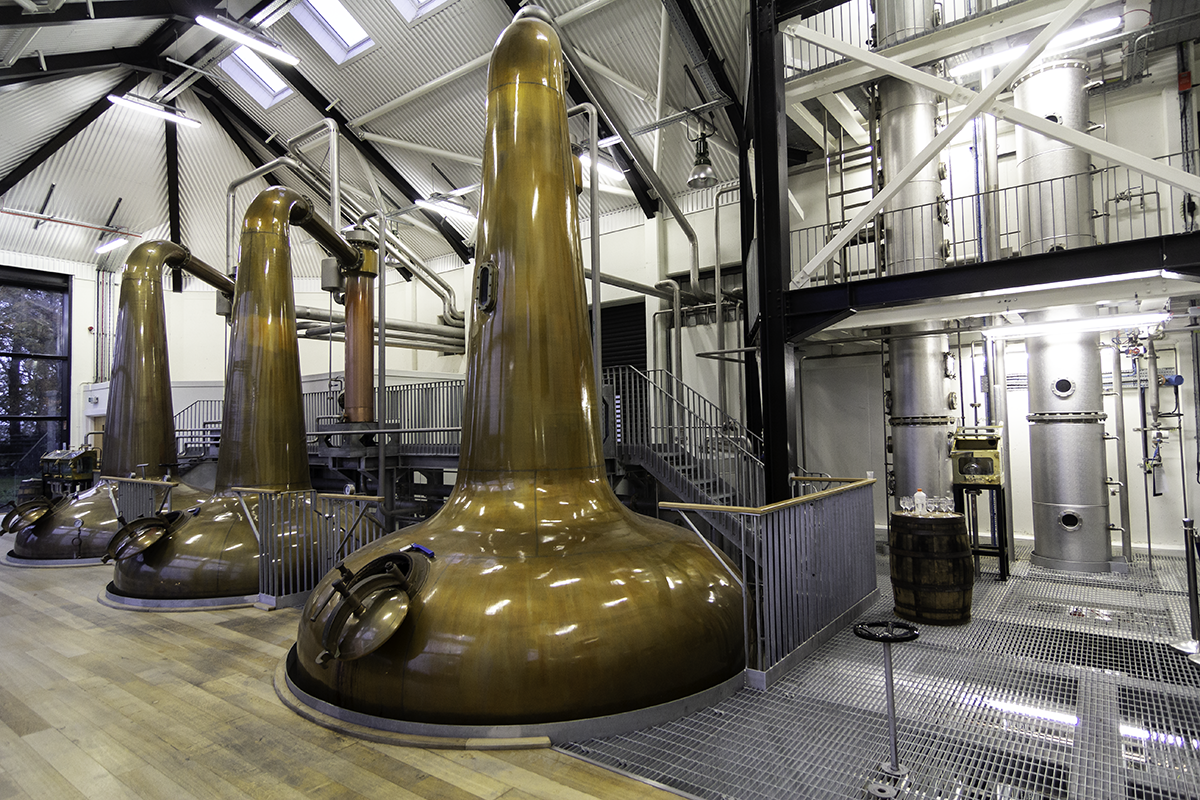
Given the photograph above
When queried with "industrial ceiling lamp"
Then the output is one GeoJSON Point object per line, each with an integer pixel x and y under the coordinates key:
{"type": "Point", "coordinates": [1111, 322]}
{"type": "Point", "coordinates": [251, 39]}
{"type": "Point", "coordinates": [154, 108]}
{"type": "Point", "coordinates": [111, 244]}
{"type": "Point", "coordinates": [702, 176]}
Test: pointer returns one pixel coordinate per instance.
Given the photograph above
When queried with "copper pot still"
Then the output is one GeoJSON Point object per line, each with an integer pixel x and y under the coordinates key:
{"type": "Point", "coordinates": [140, 422]}
{"type": "Point", "coordinates": [215, 552]}
{"type": "Point", "coordinates": [533, 595]}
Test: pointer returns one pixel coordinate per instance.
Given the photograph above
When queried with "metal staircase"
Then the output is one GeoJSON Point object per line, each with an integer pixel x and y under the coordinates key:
{"type": "Point", "coordinates": [687, 444]}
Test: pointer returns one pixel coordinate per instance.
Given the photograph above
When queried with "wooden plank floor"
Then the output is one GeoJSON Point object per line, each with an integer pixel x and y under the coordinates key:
{"type": "Point", "coordinates": [97, 702]}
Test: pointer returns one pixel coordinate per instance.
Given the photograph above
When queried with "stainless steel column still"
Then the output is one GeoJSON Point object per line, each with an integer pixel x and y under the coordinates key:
{"type": "Point", "coordinates": [921, 417]}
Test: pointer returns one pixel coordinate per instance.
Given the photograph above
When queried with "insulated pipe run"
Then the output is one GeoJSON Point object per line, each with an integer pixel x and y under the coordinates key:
{"type": "Point", "coordinates": [335, 186]}
{"type": "Point", "coordinates": [722, 392]}
{"type": "Point", "coordinates": [644, 165]}
{"type": "Point", "coordinates": [675, 310]}
{"type": "Point", "coordinates": [230, 194]}
{"type": "Point", "coordinates": [445, 331]}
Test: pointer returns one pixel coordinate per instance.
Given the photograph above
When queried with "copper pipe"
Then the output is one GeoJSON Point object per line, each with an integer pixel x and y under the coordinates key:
{"type": "Point", "coordinates": [198, 269]}
{"type": "Point", "coordinates": [360, 340]}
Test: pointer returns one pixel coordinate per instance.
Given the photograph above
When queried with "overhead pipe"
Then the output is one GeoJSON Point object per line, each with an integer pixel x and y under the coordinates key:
{"type": "Point", "coordinates": [322, 315]}
{"type": "Point", "coordinates": [446, 347]}
{"type": "Point", "coordinates": [316, 331]}
{"type": "Point", "coordinates": [436, 152]}
{"type": "Point", "coordinates": [231, 193]}
{"type": "Point", "coordinates": [630, 143]}
{"type": "Point", "coordinates": [676, 311]}
{"type": "Point", "coordinates": [335, 185]}
{"type": "Point", "coordinates": [632, 286]}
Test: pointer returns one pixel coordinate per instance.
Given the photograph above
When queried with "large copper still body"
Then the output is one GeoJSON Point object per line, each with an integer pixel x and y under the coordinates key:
{"type": "Point", "coordinates": [533, 595]}
{"type": "Point", "coordinates": [214, 553]}
{"type": "Point", "coordinates": [139, 435]}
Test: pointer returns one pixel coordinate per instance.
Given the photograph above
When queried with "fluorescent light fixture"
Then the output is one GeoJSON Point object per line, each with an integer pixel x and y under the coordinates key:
{"type": "Point", "coordinates": [154, 109]}
{"type": "Point", "coordinates": [243, 36]}
{"type": "Point", "coordinates": [445, 207]}
{"type": "Point", "coordinates": [1084, 325]}
{"type": "Point", "coordinates": [984, 62]}
{"type": "Point", "coordinates": [1071, 284]}
{"type": "Point", "coordinates": [1064, 41]}
{"type": "Point", "coordinates": [111, 244]}
{"type": "Point", "coordinates": [1082, 33]}
{"type": "Point", "coordinates": [603, 168]}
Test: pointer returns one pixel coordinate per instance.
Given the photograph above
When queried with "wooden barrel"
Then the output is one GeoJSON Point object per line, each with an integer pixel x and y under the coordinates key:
{"type": "Point", "coordinates": [29, 489]}
{"type": "Point", "coordinates": [932, 570]}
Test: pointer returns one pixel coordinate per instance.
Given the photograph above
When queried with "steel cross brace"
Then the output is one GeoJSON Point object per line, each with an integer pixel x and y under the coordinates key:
{"type": "Point", "coordinates": [1090, 144]}
{"type": "Point", "coordinates": [980, 101]}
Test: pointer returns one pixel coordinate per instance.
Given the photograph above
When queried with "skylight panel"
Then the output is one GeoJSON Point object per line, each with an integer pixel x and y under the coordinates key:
{"type": "Point", "coordinates": [333, 27]}
{"type": "Point", "coordinates": [251, 72]}
{"type": "Point", "coordinates": [412, 10]}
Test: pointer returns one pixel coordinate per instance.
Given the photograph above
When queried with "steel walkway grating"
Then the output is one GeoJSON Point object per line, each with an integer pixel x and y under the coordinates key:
{"type": "Point", "coordinates": [1063, 686]}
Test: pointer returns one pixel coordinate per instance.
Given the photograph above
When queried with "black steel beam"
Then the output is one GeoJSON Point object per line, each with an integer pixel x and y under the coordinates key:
{"type": "Point", "coordinates": [318, 101]}
{"type": "Point", "coordinates": [803, 8]}
{"type": "Point", "coordinates": [684, 11]}
{"type": "Point", "coordinates": [69, 13]}
{"type": "Point", "coordinates": [773, 257]}
{"type": "Point", "coordinates": [174, 204]}
{"type": "Point", "coordinates": [30, 67]}
{"type": "Point", "coordinates": [805, 307]}
{"type": "Point", "coordinates": [90, 115]}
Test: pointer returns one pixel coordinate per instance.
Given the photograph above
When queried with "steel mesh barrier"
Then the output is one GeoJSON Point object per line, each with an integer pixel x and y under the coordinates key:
{"type": "Point", "coordinates": [136, 498]}
{"type": "Point", "coordinates": [302, 534]}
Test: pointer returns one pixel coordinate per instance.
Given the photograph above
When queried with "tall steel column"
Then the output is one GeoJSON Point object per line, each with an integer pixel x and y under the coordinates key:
{"type": "Point", "coordinates": [1066, 404]}
{"type": "Point", "coordinates": [921, 416]}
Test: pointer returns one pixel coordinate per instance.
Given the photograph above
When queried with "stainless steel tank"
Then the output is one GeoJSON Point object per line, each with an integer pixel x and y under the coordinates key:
{"type": "Point", "coordinates": [533, 595]}
{"type": "Point", "coordinates": [1055, 200]}
{"type": "Point", "coordinates": [921, 418]}
{"type": "Point", "coordinates": [1067, 448]}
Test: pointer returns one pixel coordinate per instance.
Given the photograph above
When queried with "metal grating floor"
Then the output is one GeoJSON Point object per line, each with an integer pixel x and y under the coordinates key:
{"type": "Point", "coordinates": [1062, 686]}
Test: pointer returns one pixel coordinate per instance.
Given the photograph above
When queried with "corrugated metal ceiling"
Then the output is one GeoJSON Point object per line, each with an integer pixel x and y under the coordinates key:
{"type": "Point", "coordinates": [121, 155]}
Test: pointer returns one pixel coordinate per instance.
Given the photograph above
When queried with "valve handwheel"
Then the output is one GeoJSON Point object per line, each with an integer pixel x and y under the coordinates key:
{"type": "Point", "coordinates": [888, 631]}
